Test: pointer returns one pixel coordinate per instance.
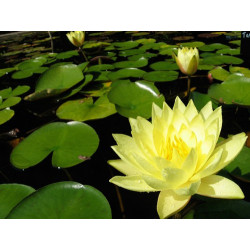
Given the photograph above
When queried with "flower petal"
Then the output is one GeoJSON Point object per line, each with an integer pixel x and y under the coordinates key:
{"type": "Point", "coordinates": [206, 111]}
{"type": "Point", "coordinates": [190, 111]}
{"type": "Point", "coordinates": [188, 188]}
{"type": "Point", "coordinates": [170, 203]}
{"type": "Point", "coordinates": [179, 105]}
{"type": "Point", "coordinates": [219, 187]}
{"type": "Point", "coordinates": [133, 183]}
{"type": "Point", "coordinates": [189, 165]}
{"type": "Point", "coordinates": [124, 167]}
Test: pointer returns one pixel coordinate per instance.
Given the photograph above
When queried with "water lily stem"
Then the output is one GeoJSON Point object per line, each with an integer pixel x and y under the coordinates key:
{"type": "Point", "coordinates": [68, 174]}
{"type": "Point", "coordinates": [51, 42]}
{"type": "Point", "coordinates": [85, 57]}
{"type": "Point", "coordinates": [4, 176]}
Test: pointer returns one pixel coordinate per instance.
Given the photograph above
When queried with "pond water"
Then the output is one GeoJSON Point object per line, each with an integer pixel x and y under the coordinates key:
{"type": "Point", "coordinates": [114, 57]}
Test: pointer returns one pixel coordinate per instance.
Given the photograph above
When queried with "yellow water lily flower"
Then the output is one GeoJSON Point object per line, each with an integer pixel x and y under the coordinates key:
{"type": "Point", "coordinates": [177, 154]}
{"type": "Point", "coordinates": [187, 60]}
{"type": "Point", "coordinates": [76, 38]}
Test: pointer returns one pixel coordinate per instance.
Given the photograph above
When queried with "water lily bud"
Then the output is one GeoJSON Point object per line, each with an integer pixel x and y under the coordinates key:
{"type": "Point", "coordinates": [76, 38]}
{"type": "Point", "coordinates": [177, 154]}
{"type": "Point", "coordinates": [187, 60]}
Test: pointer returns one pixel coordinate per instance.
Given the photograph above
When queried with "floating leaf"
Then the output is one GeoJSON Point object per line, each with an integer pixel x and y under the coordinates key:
{"type": "Point", "coordinates": [164, 66]}
{"type": "Point", "coordinates": [141, 62]}
{"type": "Point", "coordinates": [40, 70]}
{"type": "Point", "coordinates": [61, 77]}
{"type": "Point", "coordinates": [125, 73]}
{"type": "Point", "coordinates": [11, 195]}
{"type": "Point", "coordinates": [5, 115]}
{"type": "Point", "coordinates": [205, 67]}
{"type": "Point", "coordinates": [242, 70]}
{"type": "Point", "coordinates": [100, 67]}
{"type": "Point", "coordinates": [223, 209]}
{"type": "Point", "coordinates": [69, 142]}
{"type": "Point", "coordinates": [161, 76]}
{"type": "Point", "coordinates": [240, 166]}
{"type": "Point", "coordinates": [229, 51]}
{"type": "Point", "coordinates": [137, 57]}
{"type": "Point", "coordinates": [67, 54]}
{"type": "Point", "coordinates": [134, 99]}
{"type": "Point", "coordinates": [11, 101]}
{"type": "Point", "coordinates": [153, 46]}
{"type": "Point", "coordinates": [200, 100]}
{"type": "Point", "coordinates": [222, 59]}
{"type": "Point", "coordinates": [98, 89]}
{"type": "Point", "coordinates": [30, 64]}
{"type": "Point", "coordinates": [146, 40]}
{"type": "Point", "coordinates": [85, 109]}
{"type": "Point", "coordinates": [196, 44]}
{"type": "Point", "coordinates": [63, 200]}
{"type": "Point", "coordinates": [19, 90]}
{"type": "Point", "coordinates": [213, 46]}
{"type": "Point", "coordinates": [168, 51]}
{"type": "Point", "coordinates": [131, 52]}
{"type": "Point", "coordinates": [235, 90]}
{"type": "Point", "coordinates": [125, 45]}
{"type": "Point", "coordinates": [220, 74]}
{"type": "Point", "coordinates": [21, 74]}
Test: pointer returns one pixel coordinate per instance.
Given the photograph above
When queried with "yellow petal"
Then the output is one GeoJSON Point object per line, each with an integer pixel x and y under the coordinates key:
{"type": "Point", "coordinates": [174, 177]}
{"type": "Point", "coordinates": [193, 65]}
{"type": "Point", "coordinates": [190, 111]}
{"type": "Point", "coordinates": [178, 104]}
{"type": "Point", "coordinates": [231, 148]}
{"type": "Point", "coordinates": [133, 183]}
{"type": "Point", "coordinates": [124, 167]}
{"type": "Point", "coordinates": [188, 188]}
{"type": "Point", "coordinates": [206, 111]}
{"type": "Point", "coordinates": [170, 203]}
{"type": "Point", "coordinates": [219, 187]}
{"type": "Point", "coordinates": [189, 165]}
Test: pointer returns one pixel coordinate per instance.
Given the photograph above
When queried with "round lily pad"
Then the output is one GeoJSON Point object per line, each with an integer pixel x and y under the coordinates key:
{"type": "Point", "coordinates": [242, 70]}
{"type": "Point", "coordinates": [134, 99]}
{"type": "Point", "coordinates": [229, 51]}
{"type": "Point", "coordinates": [5, 115]}
{"type": "Point", "coordinates": [100, 67]}
{"type": "Point", "coordinates": [67, 54]}
{"type": "Point", "coordinates": [86, 109]}
{"type": "Point", "coordinates": [235, 90]}
{"type": "Point", "coordinates": [60, 77]}
{"type": "Point", "coordinates": [164, 66]}
{"type": "Point", "coordinates": [213, 46]}
{"type": "Point", "coordinates": [161, 76]}
{"type": "Point", "coordinates": [125, 73]}
{"type": "Point", "coordinates": [125, 45]}
{"type": "Point", "coordinates": [21, 74]}
{"type": "Point", "coordinates": [71, 143]}
{"type": "Point", "coordinates": [192, 44]}
{"type": "Point", "coordinates": [141, 62]}
{"type": "Point", "coordinates": [131, 52]}
{"type": "Point", "coordinates": [222, 59]}
{"type": "Point", "coordinates": [219, 73]}
{"type": "Point", "coordinates": [30, 64]}
{"type": "Point", "coordinates": [11, 195]}
{"type": "Point", "coordinates": [63, 200]}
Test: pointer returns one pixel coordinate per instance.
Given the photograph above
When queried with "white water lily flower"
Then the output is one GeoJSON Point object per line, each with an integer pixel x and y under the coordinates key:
{"type": "Point", "coordinates": [187, 60]}
{"type": "Point", "coordinates": [177, 154]}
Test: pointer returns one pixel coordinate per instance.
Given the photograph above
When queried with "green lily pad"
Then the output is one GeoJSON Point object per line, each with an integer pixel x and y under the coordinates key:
{"type": "Point", "coordinates": [94, 44]}
{"type": "Point", "coordinates": [101, 76]}
{"type": "Point", "coordinates": [30, 64]}
{"type": "Point", "coordinates": [67, 54]}
{"type": "Point", "coordinates": [63, 200]}
{"type": "Point", "coordinates": [223, 209]}
{"type": "Point", "coordinates": [71, 143]}
{"type": "Point", "coordinates": [242, 70]}
{"type": "Point", "coordinates": [21, 74]}
{"type": "Point", "coordinates": [200, 100]}
{"type": "Point", "coordinates": [5, 115]}
{"type": "Point", "coordinates": [125, 73]}
{"type": "Point", "coordinates": [141, 62]}
{"type": "Point", "coordinates": [161, 76]}
{"type": "Point", "coordinates": [100, 67]}
{"type": "Point", "coordinates": [153, 46]}
{"type": "Point", "coordinates": [237, 42]}
{"type": "Point", "coordinates": [205, 67]}
{"type": "Point", "coordinates": [43, 94]}
{"type": "Point", "coordinates": [125, 45]}
{"type": "Point", "coordinates": [11, 195]}
{"type": "Point", "coordinates": [213, 46]}
{"type": "Point", "coordinates": [235, 90]}
{"type": "Point", "coordinates": [40, 70]}
{"type": "Point", "coordinates": [220, 74]}
{"type": "Point", "coordinates": [240, 166]}
{"type": "Point", "coordinates": [83, 66]}
{"type": "Point", "coordinates": [6, 71]}
{"type": "Point", "coordinates": [61, 77]}
{"type": "Point", "coordinates": [207, 54]}
{"type": "Point", "coordinates": [222, 59]}
{"type": "Point", "coordinates": [229, 51]}
{"type": "Point", "coordinates": [168, 51]}
{"type": "Point", "coordinates": [131, 52]}
{"type": "Point", "coordinates": [85, 109]}
{"type": "Point", "coordinates": [9, 102]}
{"type": "Point", "coordinates": [194, 44]}
{"type": "Point", "coordinates": [134, 99]}
{"type": "Point", "coordinates": [19, 90]}
{"type": "Point", "coordinates": [98, 89]}
{"type": "Point", "coordinates": [164, 66]}
{"type": "Point", "coordinates": [146, 40]}
{"type": "Point", "coordinates": [137, 57]}
{"type": "Point", "coordinates": [60, 63]}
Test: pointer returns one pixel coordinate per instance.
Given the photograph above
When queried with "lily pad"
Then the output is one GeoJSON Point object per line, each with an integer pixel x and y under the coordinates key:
{"type": "Point", "coordinates": [168, 51]}
{"type": "Point", "coordinates": [222, 59]}
{"type": "Point", "coordinates": [213, 46]}
{"type": "Point", "coordinates": [85, 109]}
{"type": "Point", "coordinates": [21, 74]}
{"type": "Point", "coordinates": [242, 70]}
{"type": "Point", "coordinates": [11, 195]}
{"type": "Point", "coordinates": [5, 115]}
{"type": "Point", "coordinates": [240, 166]}
{"type": "Point", "coordinates": [200, 100]}
{"type": "Point", "coordinates": [205, 67]}
{"type": "Point", "coordinates": [67, 54]}
{"type": "Point", "coordinates": [134, 99]}
{"type": "Point", "coordinates": [235, 90]}
{"type": "Point", "coordinates": [100, 67]}
{"type": "Point", "coordinates": [153, 46]}
{"type": "Point", "coordinates": [223, 209]}
{"type": "Point", "coordinates": [161, 76]}
{"type": "Point", "coordinates": [146, 40]}
{"type": "Point", "coordinates": [137, 57]}
{"type": "Point", "coordinates": [131, 52]}
{"type": "Point", "coordinates": [125, 45]}
{"type": "Point", "coordinates": [61, 77]}
{"type": "Point", "coordinates": [164, 66]}
{"type": "Point", "coordinates": [19, 90]}
{"type": "Point", "coordinates": [141, 62]}
{"type": "Point", "coordinates": [98, 89]}
{"type": "Point", "coordinates": [220, 74]}
{"type": "Point", "coordinates": [9, 102]}
{"type": "Point", "coordinates": [196, 44]}
{"type": "Point", "coordinates": [30, 64]}
{"type": "Point", "coordinates": [70, 143]}
{"type": "Point", "coordinates": [63, 200]}
{"type": "Point", "coordinates": [125, 73]}
{"type": "Point", "coordinates": [229, 51]}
